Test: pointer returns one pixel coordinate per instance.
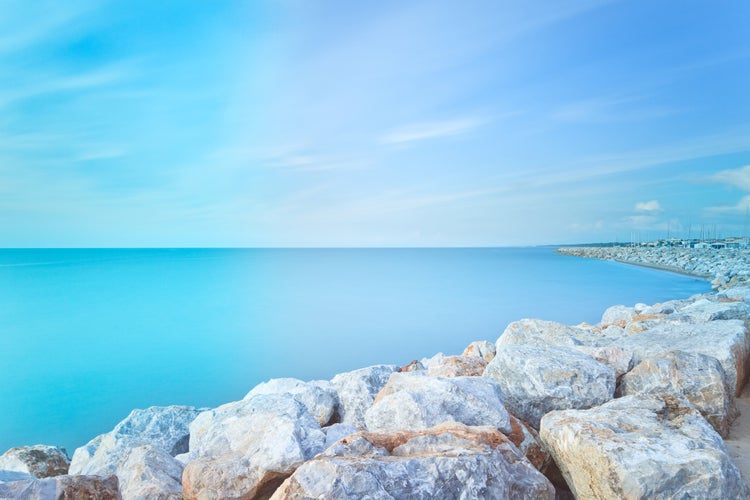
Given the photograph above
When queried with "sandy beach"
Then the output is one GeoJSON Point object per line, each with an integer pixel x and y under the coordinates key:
{"type": "Point", "coordinates": [738, 441]}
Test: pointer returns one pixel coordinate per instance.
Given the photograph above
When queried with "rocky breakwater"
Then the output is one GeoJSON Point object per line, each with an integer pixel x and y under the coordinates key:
{"type": "Point", "coordinates": [635, 406]}
{"type": "Point", "coordinates": [725, 267]}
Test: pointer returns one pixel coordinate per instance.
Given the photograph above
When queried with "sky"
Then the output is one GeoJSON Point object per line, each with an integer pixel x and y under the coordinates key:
{"type": "Point", "coordinates": [296, 123]}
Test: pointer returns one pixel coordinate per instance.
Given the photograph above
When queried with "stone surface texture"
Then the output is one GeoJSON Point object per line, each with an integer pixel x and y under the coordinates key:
{"type": "Point", "coordinates": [449, 461]}
{"type": "Point", "coordinates": [641, 447]}
{"type": "Point", "coordinates": [39, 461]}
{"type": "Point", "coordinates": [318, 396]}
{"type": "Point", "coordinates": [413, 401]}
{"type": "Point", "coordinates": [356, 391]}
{"type": "Point", "coordinates": [537, 380]}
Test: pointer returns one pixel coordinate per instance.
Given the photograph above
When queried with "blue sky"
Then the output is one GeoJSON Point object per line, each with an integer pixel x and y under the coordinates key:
{"type": "Point", "coordinates": [339, 123]}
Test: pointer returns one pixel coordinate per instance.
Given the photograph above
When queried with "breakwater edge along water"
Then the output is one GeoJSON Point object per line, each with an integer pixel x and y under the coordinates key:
{"type": "Point", "coordinates": [545, 408]}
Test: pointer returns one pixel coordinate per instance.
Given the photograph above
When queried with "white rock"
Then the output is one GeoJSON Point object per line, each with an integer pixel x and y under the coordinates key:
{"type": "Point", "coordinates": [357, 389]}
{"type": "Point", "coordinates": [481, 348]}
{"type": "Point", "coordinates": [164, 430]}
{"type": "Point", "coordinates": [536, 380]}
{"type": "Point", "coordinates": [617, 358]}
{"type": "Point", "coordinates": [542, 333]}
{"type": "Point", "coordinates": [337, 432]}
{"type": "Point", "coordinates": [697, 378]}
{"type": "Point", "coordinates": [61, 488]}
{"type": "Point", "coordinates": [246, 448]}
{"type": "Point", "coordinates": [706, 310]}
{"type": "Point", "coordinates": [726, 340]}
{"type": "Point", "coordinates": [444, 462]}
{"type": "Point", "coordinates": [319, 396]}
{"type": "Point", "coordinates": [617, 316]}
{"type": "Point", "coordinates": [148, 472]}
{"type": "Point", "coordinates": [40, 460]}
{"type": "Point", "coordinates": [658, 447]}
{"type": "Point", "coordinates": [412, 401]}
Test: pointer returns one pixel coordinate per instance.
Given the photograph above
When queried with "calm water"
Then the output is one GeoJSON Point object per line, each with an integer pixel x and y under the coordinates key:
{"type": "Point", "coordinates": [87, 335]}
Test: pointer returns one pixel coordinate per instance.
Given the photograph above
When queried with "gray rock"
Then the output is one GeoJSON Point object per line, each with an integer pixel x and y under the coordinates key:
{"type": "Point", "coordinates": [40, 460]}
{"type": "Point", "coordinates": [163, 430]}
{"type": "Point", "coordinates": [542, 333]}
{"type": "Point", "coordinates": [656, 447]}
{"type": "Point", "coordinates": [482, 349]}
{"type": "Point", "coordinates": [726, 340]}
{"type": "Point", "coordinates": [7, 476]}
{"type": "Point", "coordinates": [740, 293]}
{"type": "Point", "coordinates": [412, 401]}
{"type": "Point", "coordinates": [617, 358]}
{"type": "Point", "coordinates": [318, 396]}
{"type": "Point", "coordinates": [247, 448]}
{"type": "Point", "coordinates": [337, 432]}
{"type": "Point", "coordinates": [537, 380]}
{"type": "Point", "coordinates": [62, 488]}
{"type": "Point", "coordinates": [451, 461]}
{"type": "Point", "coordinates": [698, 378]}
{"type": "Point", "coordinates": [706, 310]}
{"type": "Point", "coordinates": [148, 472]}
{"type": "Point", "coordinates": [356, 391]}
{"type": "Point", "coordinates": [617, 316]}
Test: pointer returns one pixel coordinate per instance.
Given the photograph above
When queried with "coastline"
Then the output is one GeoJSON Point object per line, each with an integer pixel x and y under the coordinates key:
{"type": "Point", "coordinates": [493, 401]}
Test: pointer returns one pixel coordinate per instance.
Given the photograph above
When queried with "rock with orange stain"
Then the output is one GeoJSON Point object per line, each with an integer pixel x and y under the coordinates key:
{"type": "Point", "coordinates": [698, 378]}
{"type": "Point", "coordinates": [641, 447]}
{"type": "Point", "coordinates": [447, 461]}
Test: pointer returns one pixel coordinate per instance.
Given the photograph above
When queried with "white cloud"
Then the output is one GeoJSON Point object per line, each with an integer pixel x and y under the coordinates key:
{"type": "Point", "coordinates": [739, 177]}
{"type": "Point", "coordinates": [742, 206]}
{"type": "Point", "coordinates": [648, 206]}
{"type": "Point", "coordinates": [431, 130]}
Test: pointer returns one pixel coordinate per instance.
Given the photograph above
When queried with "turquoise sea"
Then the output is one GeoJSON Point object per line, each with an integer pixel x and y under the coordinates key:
{"type": "Point", "coordinates": [88, 335]}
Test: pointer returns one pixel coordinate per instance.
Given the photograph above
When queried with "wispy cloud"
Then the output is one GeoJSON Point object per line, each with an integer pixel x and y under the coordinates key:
{"type": "Point", "coordinates": [742, 206]}
{"type": "Point", "coordinates": [738, 177]}
{"type": "Point", "coordinates": [648, 206]}
{"type": "Point", "coordinates": [431, 130]}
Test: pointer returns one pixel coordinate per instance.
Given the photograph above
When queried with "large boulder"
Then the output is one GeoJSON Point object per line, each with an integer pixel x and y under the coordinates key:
{"type": "Point", "coordinates": [356, 391]}
{"type": "Point", "coordinates": [449, 461]}
{"type": "Point", "coordinates": [412, 401]}
{"type": "Point", "coordinates": [726, 340]}
{"type": "Point", "coordinates": [537, 380]}
{"type": "Point", "coordinates": [698, 378]}
{"type": "Point", "coordinates": [641, 447]}
{"type": "Point", "coordinates": [318, 396]}
{"type": "Point", "coordinates": [40, 460]}
{"type": "Point", "coordinates": [541, 333]}
{"type": "Point", "coordinates": [617, 358]}
{"type": "Point", "coordinates": [247, 448]}
{"type": "Point", "coordinates": [703, 310]}
{"type": "Point", "coordinates": [153, 436]}
{"type": "Point", "coordinates": [62, 488]}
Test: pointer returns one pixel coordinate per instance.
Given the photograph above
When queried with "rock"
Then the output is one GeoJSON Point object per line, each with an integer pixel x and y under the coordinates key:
{"type": "Point", "coordinates": [543, 333]}
{"type": "Point", "coordinates": [617, 316]}
{"type": "Point", "coordinates": [40, 460]}
{"type": "Point", "coordinates": [7, 476]}
{"type": "Point", "coordinates": [741, 293]}
{"type": "Point", "coordinates": [529, 444]}
{"type": "Point", "coordinates": [704, 310]}
{"type": "Point", "coordinates": [481, 349]}
{"type": "Point", "coordinates": [656, 447]}
{"type": "Point", "coordinates": [697, 378]}
{"type": "Point", "coordinates": [319, 396]}
{"type": "Point", "coordinates": [163, 431]}
{"type": "Point", "coordinates": [457, 366]}
{"type": "Point", "coordinates": [247, 448]}
{"type": "Point", "coordinates": [413, 366]}
{"type": "Point", "coordinates": [449, 461]}
{"type": "Point", "coordinates": [412, 401]}
{"type": "Point", "coordinates": [726, 340]}
{"type": "Point", "coordinates": [62, 488]}
{"type": "Point", "coordinates": [337, 432]}
{"type": "Point", "coordinates": [536, 380]}
{"type": "Point", "coordinates": [148, 472]}
{"type": "Point", "coordinates": [356, 391]}
{"type": "Point", "coordinates": [617, 358]}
